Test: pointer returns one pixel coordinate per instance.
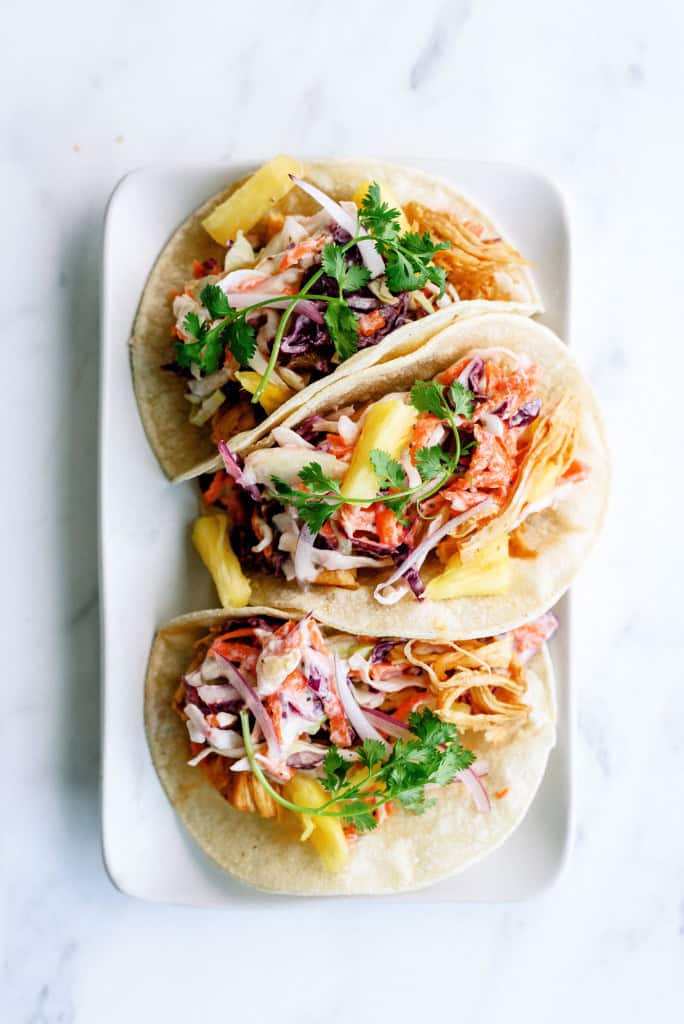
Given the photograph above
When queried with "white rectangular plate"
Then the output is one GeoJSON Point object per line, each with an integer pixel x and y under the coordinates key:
{"type": "Point", "coordinates": [150, 573]}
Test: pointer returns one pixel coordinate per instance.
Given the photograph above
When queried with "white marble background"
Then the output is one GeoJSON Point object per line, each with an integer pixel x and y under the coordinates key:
{"type": "Point", "coordinates": [592, 94]}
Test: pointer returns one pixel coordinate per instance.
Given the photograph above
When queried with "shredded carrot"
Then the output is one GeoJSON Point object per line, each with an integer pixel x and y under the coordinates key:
{"type": "Point", "coordinates": [232, 651]}
{"type": "Point", "coordinates": [213, 491]}
{"type": "Point", "coordinates": [406, 707]}
{"type": "Point", "coordinates": [422, 431]}
{"type": "Point", "coordinates": [370, 323]}
{"type": "Point", "coordinates": [501, 793]}
{"type": "Point", "coordinates": [390, 530]}
{"type": "Point", "coordinates": [337, 446]}
{"type": "Point", "coordinates": [296, 252]}
{"type": "Point", "coordinates": [234, 634]}
{"type": "Point", "coordinates": [198, 270]}
{"type": "Point", "coordinates": [450, 375]}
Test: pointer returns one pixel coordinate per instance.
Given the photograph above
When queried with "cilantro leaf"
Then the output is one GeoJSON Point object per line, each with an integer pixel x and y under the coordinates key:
{"type": "Point", "coordinates": [409, 263]}
{"type": "Point", "coordinates": [360, 815]}
{"type": "Point", "coordinates": [462, 400]}
{"type": "Point", "coordinates": [317, 480]}
{"type": "Point", "coordinates": [432, 756]}
{"type": "Point", "coordinates": [372, 752]}
{"type": "Point", "coordinates": [432, 462]}
{"type": "Point", "coordinates": [430, 728]}
{"type": "Point", "coordinates": [428, 396]}
{"type": "Point", "coordinates": [194, 326]}
{"type": "Point", "coordinates": [356, 277]}
{"type": "Point", "coordinates": [389, 472]}
{"type": "Point", "coordinates": [350, 277]}
{"type": "Point", "coordinates": [215, 300]}
{"type": "Point", "coordinates": [455, 759]}
{"type": "Point", "coordinates": [336, 770]}
{"type": "Point", "coordinates": [212, 350]}
{"type": "Point", "coordinates": [379, 218]}
{"type": "Point", "coordinates": [333, 261]}
{"type": "Point", "coordinates": [313, 513]}
{"type": "Point", "coordinates": [343, 327]}
{"type": "Point", "coordinates": [241, 339]}
{"type": "Point", "coordinates": [207, 351]}
{"type": "Point", "coordinates": [187, 353]}
{"type": "Point", "coordinates": [414, 800]}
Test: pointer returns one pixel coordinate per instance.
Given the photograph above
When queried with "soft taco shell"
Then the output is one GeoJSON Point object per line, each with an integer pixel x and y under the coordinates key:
{"type": "Point", "coordinates": [406, 852]}
{"type": "Point", "coordinates": [178, 444]}
{"type": "Point", "coordinates": [562, 536]}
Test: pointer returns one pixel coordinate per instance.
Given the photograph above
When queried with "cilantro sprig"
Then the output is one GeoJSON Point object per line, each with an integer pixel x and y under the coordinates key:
{"type": "Point", "coordinates": [409, 265]}
{"type": "Point", "coordinates": [232, 331]}
{"type": "Point", "coordinates": [321, 496]}
{"type": "Point", "coordinates": [409, 256]}
{"type": "Point", "coordinates": [432, 757]}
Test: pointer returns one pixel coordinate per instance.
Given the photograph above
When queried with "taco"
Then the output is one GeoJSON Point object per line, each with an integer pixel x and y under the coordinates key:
{"type": "Point", "coordinates": [264, 293]}
{"type": "Point", "coordinates": [458, 487]}
{"type": "Point", "coordinates": [304, 759]}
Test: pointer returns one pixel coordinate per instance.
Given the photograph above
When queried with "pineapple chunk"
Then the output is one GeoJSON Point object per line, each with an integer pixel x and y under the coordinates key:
{"type": "Point", "coordinates": [487, 572]}
{"type": "Point", "coordinates": [273, 394]}
{"type": "Point", "coordinates": [387, 196]}
{"type": "Point", "coordinates": [252, 201]}
{"type": "Point", "coordinates": [326, 834]}
{"type": "Point", "coordinates": [388, 426]}
{"type": "Point", "coordinates": [210, 537]}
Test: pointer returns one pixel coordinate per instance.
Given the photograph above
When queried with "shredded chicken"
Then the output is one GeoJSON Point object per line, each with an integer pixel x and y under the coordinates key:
{"type": "Point", "coordinates": [233, 418]}
{"type": "Point", "coordinates": [476, 685]}
{"type": "Point", "coordinates": [471, 264]}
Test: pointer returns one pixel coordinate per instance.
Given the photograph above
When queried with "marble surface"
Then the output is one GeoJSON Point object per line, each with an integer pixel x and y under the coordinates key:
{"type": "Point", "coordinates": [590, 94]}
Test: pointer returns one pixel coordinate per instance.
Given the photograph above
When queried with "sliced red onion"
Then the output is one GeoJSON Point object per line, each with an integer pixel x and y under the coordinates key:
{"type": "Point", "coordinates": [480, 767]}
{"type": "Point", "coordinates": [251, 700]}
{"type": "Point", "coordinates": [369, 254]}
{"type": "Point", "coordinates": [388, 725]}
{"type": "Point", "coordinates": [372, 259]}
{"type": "Point", "coordinates": [338, 213]}
{"type": "Point", "coordinates": [412, 577]}
{"type": "Point", "coordinates": [419, 554]}
{"type": "Point", "coordinates": [362, 727]}
{"type": "Point", "coordinates": [233, 470]}
{"type": "Point", "coordinates": [473, 784]}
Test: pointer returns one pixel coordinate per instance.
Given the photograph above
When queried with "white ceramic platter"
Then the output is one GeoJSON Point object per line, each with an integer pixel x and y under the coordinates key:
{"type": "Point", "coordinates": [150, 573]}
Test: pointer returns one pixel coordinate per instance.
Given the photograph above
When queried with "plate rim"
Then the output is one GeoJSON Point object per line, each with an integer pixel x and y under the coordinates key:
{"type": "Point", "coordinates": [116, 196]}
